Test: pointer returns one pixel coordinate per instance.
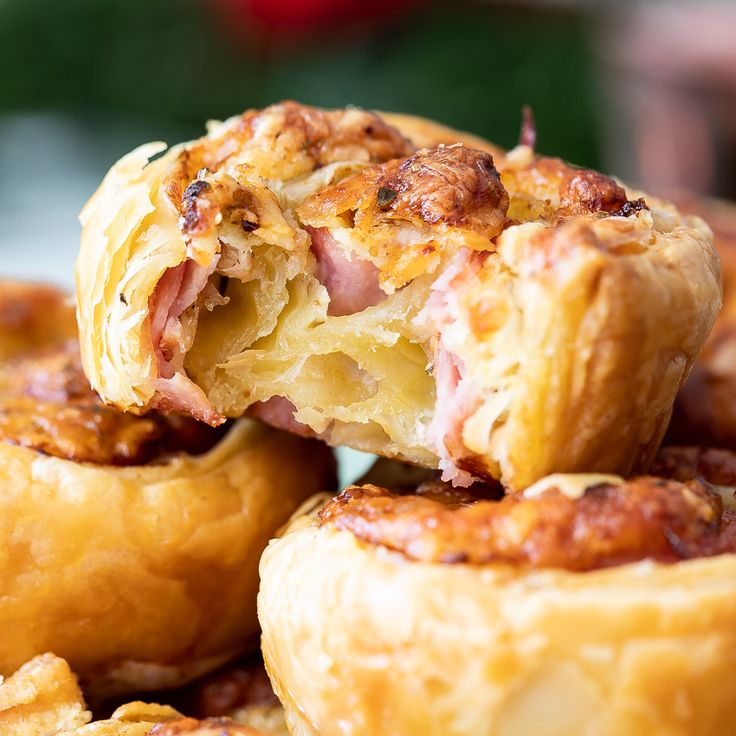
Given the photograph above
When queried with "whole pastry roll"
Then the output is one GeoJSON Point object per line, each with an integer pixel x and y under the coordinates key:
{"type": "Point", "coordinates": [130, 545]}
{"type": "Point", "coordinates": [498, 317]}
{"type": "Point", "coordinates": [705, 411]}
{"type": "Point", "coordinates": [584, 606]}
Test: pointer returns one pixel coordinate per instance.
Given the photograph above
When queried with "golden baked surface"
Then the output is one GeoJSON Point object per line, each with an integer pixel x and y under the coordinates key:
{"type": "Point", "coordinates": [495, 315]}
{"type": "Point", "coordinates": [46, 404]}
{"type": "Point", "coordinates": [145, 577]}
{"type": "Point", "coordinates": [130, 543]}
{"type": "Point", "coordinates": [402, 642]}
{"type": "Point", "coordinates": [611, 524]}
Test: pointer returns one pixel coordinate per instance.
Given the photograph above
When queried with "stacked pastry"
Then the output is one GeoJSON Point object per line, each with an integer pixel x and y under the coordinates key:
{"type": "Point", "coordinates": [515, 325]}
{"type": "Point", "coordinates": [130, 544]}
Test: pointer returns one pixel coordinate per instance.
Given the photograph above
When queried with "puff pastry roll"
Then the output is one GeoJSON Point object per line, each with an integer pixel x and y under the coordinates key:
{"type": "Point", "coordinates": [130, 545]}
{"type": "Point", "coordinates": [585, 606]}
{"type": "Point", "coordinates": [499, 317]}
{"type": "Point", "coordinates": [705, 410]}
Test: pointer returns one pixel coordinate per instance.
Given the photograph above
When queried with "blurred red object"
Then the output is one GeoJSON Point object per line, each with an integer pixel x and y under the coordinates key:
{"type": "Point", "coordinates": [304, 16]}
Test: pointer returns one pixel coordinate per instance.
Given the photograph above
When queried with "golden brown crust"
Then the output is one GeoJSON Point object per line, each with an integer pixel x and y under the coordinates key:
{"type": "Point", "coordinates": [46, 404]}
{"type": "Point", "coordinates": [611, 524]}
{"type": "Point", "coordinates": [451, 185]}
{"type": "Point", "coordinates": [463, 650]}
{"type": "Point", "coordinates": [32, 316]}
{"type": "Point", "coordinates": [42, 697]}
{"type": "Point", "coordinates": [145, 577]}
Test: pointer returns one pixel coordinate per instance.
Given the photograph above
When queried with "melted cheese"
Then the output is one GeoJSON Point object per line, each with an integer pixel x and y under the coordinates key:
{"type": "Point", "coordinates": [572, 485]}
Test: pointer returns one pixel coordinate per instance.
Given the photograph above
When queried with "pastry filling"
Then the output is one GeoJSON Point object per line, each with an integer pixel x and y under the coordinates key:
{"type": "Point", "coordinates": [612, 523]}
{"type": "Point", "coordinates": [340, 284]}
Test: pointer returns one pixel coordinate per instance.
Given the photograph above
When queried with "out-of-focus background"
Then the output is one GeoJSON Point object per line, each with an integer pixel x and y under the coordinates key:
{"type": "Point", "coordinates": [646, 90]}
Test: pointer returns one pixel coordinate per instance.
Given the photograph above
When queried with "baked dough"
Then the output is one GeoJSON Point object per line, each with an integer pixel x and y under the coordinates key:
{"type": "Point", "coordinates": [43, 699]}
{"type": "Point", "coordinates": [367, 631]}
{"type": "Point", "coordinates": [705, 411]}
{"type": "Point", "coordinates": [144, 577]}
{"type": "Point", "coordinates": [32, 316]}
{"type": "Point", "coordinates": [130, 545]}
{"type": "Point", "coordinates": [498, 317]}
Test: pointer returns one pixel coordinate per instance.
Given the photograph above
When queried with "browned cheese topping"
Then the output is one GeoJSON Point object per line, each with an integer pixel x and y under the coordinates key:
{"type": "Point", "coordinates": [611, 524]}
{"type": "Point", "coordinates": [550, 189]}
{"type": "Point", "coordinates": [46, 404]}
{"type": "Point", "coordinates": [450, 185]}
{"type": "Point", "coordinates": [298, 137]}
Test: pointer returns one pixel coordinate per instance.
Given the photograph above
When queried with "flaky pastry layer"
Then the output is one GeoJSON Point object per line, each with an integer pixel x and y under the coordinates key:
{"type": "Point", "coordinates": [144, 577]}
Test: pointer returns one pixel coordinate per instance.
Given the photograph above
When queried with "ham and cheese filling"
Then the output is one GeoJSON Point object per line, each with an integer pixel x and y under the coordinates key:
{"type": "Point", "coordinates": [339, 283]}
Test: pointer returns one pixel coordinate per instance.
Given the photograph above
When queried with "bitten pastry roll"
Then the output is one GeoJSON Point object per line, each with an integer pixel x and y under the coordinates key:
{"type": "Point", "coordinates": [495, 316]}
{"type": "Point", "coordinates": [130, 545]}
{"type": "Point", "coordinates": [588, 605]}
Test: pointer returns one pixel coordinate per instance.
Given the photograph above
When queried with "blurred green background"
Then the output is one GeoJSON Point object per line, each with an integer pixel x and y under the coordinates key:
{"type": "Point", "coordinates": [84, 81]}
{"type": "Point", "coordinates": [172, 64]}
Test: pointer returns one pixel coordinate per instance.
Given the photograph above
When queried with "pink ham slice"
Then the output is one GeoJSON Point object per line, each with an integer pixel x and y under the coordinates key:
{"type": "Point", "coordinates": [456, 399]}
{"type": "Point", "coordinates": [453, 405]}
{"type": "Point", "coordinates": [175, 292]}
{"type": "Point", "coordinates": [351, 282]}
{"type": "Point", "coordinates": [279, 412]}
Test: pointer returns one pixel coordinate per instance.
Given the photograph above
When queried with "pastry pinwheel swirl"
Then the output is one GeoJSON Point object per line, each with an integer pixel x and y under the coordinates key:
{"type": "Point", "coordinates": [130, 545]}
{"type": "Point", "coordinates": [585, 606]}
{"type": "Point", "coordinates": [496, 316]}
